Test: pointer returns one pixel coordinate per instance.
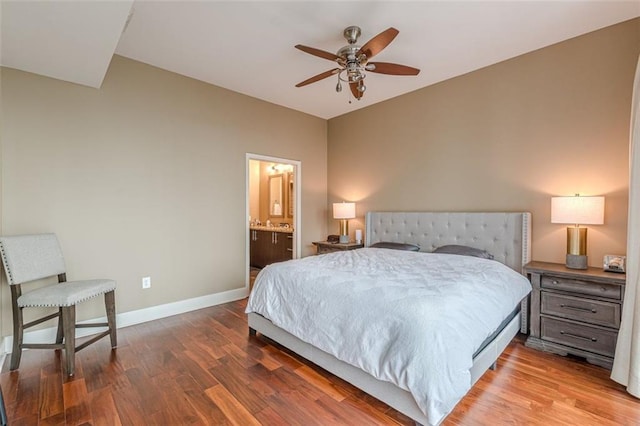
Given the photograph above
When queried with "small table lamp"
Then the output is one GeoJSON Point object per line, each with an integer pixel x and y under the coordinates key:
{"type": "Point", "coordinates": [344, 211]}
{"type": "Point", "coordinates": [578, 211]}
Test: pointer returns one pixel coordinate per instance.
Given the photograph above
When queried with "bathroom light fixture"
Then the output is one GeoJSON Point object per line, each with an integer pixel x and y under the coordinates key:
{"type": "Point", "coordinates": [578, 211]}
{"type": "Point", "coordinates": [344, 211]}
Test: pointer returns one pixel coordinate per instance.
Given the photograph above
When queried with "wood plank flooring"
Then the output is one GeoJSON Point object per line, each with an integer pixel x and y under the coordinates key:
{"type": "Point", "coordinates": [202, 368]}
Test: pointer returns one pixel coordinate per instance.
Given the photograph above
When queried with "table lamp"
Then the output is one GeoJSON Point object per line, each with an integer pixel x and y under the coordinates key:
{"type": "Point", "coordinates": [344, 212]}
{"type": "Point", "coordinates": [578, 211]}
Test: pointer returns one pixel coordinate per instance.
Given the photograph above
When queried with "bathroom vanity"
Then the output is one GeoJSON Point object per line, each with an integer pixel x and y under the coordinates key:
{"type": "Point", "coordinates": [269, 244]}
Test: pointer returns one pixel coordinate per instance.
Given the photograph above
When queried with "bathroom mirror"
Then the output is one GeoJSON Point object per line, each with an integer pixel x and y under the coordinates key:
{"type": "Point", "coordinates": [276, 207]}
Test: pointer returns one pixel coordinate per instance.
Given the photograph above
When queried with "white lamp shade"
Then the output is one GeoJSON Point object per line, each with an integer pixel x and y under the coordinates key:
{"type": "Point", "coordinates": [577, 210]}
{"type": "Point", "coordinates": [344, 210]}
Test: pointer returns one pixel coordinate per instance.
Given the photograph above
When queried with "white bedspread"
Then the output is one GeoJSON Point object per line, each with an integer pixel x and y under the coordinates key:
{"type": "Point", "coordinates": [413, 319]}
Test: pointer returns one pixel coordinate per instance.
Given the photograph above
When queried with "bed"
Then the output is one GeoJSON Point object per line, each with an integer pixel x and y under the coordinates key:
{"type": "Point", "coordinates": [307, 316]}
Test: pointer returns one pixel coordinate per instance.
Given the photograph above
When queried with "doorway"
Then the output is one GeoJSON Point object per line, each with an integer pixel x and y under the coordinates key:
{"type": "Point", "coordinates": [273, 212]}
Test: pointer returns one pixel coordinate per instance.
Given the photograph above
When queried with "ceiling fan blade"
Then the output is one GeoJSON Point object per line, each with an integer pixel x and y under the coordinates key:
{"type": "Point", "coordinates": [317, 52]}
{"type": "Point", "coordinates": [393, 69]}
{"type": "Point", "coordinates": [354, 91]}
{"type": "Point", "coordinates": [318, 77]}
{"type": "Point", "coordinates": [379, 42]}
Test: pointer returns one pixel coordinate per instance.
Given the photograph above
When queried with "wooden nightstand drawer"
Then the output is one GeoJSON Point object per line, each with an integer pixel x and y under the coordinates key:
{"type": "Point", "coordinates": [326, 249]}
{"type": "Point", "coordinates": [588, 310]}
{"type": "Point", "coordinates": [589, 338]}
{"type": "Point", "coordinates": [582, 287]}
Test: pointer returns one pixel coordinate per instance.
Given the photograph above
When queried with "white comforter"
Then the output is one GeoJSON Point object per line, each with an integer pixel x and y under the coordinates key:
{"type": "Point", "coordinates": [413, 319]}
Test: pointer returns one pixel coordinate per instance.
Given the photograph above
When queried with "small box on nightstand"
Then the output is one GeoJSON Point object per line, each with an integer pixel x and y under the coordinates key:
{"type": "Point", "coordinates": [615, 263]}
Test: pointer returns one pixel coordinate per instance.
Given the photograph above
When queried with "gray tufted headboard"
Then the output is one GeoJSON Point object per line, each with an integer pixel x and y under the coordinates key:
{"type": "Point", "coordinates": [507, 236]}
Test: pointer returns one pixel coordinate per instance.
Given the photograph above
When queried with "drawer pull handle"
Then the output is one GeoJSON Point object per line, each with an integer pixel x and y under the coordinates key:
{"type": "Point", "coordinates": [554, 282]}
{"type": "Point", "coordinates": [591, 339]}
{"type": "Point", "coordinates": [579, 308]}
{"type": "Point", "coordinates": [289, 249]}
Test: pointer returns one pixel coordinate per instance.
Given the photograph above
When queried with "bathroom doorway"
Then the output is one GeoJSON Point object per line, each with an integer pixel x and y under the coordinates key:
{"type": "Point", "coordinates": [272, 212]}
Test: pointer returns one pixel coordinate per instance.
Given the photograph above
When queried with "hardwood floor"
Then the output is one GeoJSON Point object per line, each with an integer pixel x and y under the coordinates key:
{"type": "Point", "coordinates": [202, 368]}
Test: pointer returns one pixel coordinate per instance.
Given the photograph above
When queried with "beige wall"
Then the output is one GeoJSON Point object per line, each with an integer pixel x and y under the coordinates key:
{"type": "Point", "coordinates": [146, 176]}
{"type": "Point", "coordinates": [506, 137]}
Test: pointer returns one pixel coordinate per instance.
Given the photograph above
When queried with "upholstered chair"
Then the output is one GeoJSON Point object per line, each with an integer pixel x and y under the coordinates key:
{"type": "Point", "coordinates": [29, 258]}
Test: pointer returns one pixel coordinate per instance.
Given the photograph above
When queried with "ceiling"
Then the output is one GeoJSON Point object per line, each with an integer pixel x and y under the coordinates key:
{"type": "Point", "coordinates": [248, 47]}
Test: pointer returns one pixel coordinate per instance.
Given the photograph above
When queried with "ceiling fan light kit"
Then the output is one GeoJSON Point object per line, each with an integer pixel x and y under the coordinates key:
{"type": "Point", "coordinates": [353, 61]}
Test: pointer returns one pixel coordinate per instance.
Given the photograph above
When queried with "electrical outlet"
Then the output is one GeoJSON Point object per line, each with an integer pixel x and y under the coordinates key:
{"type": "Point", "coordinates": [146, 282]}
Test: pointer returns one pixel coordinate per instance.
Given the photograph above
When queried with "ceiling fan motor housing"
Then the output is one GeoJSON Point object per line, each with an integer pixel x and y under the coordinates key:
{"type": "Point", "coordinates": [348, 52]}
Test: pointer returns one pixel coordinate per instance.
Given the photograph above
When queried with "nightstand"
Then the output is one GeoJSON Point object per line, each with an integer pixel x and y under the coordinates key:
{"type": "Point", "coordinates": [575, 311]}
{"type": "Point", "coordinates": [327, 247]}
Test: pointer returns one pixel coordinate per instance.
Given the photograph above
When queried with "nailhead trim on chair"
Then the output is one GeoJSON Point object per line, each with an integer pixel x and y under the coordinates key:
{"type": "Point", "coordinates": [4, 263]}
{"type": "Point", "coordinates": [53, 298]}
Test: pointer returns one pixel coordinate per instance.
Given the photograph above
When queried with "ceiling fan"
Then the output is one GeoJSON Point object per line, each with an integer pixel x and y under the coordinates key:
{"type": "Point", "coordinates": [353, 61]}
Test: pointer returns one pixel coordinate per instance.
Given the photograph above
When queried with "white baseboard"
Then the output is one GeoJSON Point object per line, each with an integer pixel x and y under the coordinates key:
{"type": "Point", "coordinates": [126, 319]}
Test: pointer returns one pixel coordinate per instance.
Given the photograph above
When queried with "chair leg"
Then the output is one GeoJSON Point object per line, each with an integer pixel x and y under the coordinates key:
{"type": "Point", "coordinates": [110, 306]}
{"type": "Point", "coordinates": [60, 332]}
{"type": "Point", "coordinates": [69, 325]}
{"type": "Point", "coordinates": [18, 331]}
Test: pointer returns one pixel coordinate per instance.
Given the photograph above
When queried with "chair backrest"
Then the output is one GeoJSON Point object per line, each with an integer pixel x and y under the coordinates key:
{"type": "Point", "coordinates": [31, 257]}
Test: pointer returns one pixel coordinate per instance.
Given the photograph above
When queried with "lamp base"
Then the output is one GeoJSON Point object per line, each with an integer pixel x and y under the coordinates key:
{"type": "Point", "coordinates": [344, 239]}
{"type": "Point", "coordinates": [576, 261]}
